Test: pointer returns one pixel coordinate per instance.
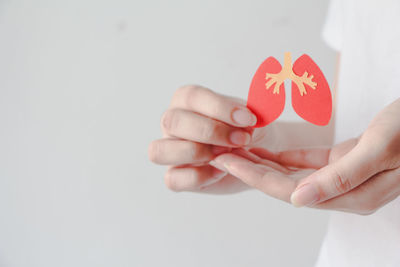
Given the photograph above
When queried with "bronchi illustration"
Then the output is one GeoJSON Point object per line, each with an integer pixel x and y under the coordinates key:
{"type": "Point", "coordinates": [311, 96]}
{"type": "Point", "coordinates": [287, 73]}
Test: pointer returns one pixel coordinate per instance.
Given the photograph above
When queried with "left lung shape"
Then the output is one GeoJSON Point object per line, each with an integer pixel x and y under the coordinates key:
{"type": "Point", "coordinates": [265, 104]}
{"type": "Point", "coordinates": [316, 105]}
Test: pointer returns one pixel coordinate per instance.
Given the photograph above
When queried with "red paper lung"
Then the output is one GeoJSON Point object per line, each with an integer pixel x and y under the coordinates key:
{"type": "Point", "coordinates": [266, 105]}
{"type": "Point", "coordinates": [316, 105]}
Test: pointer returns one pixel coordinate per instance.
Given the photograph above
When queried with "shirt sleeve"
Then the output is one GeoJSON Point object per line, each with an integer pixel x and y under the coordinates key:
{"type": "Point", "coordinates": [332, 32]}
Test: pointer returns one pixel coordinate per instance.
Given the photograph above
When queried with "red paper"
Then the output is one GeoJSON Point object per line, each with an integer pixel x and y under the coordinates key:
{"type": "Point", "coordinates": [316, 105]}
{"type": "Point", "coordinates": [311, 96]}
{"type": "Point", "coordinates": [266, 105]}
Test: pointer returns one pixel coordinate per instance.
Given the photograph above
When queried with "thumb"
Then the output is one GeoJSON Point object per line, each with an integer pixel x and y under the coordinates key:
{"type": "Point", "coordinates": [337, 178]}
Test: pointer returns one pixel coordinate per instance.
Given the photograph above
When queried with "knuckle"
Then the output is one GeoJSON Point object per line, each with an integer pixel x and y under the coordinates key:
{"type": "Point", "coordinates": [207, 130]}
{"type": "Point", "coordinates": [183, 90]}
{"type": "Point", "coordinates": [170, 182]}
{"type": "Point", "coordinates": [165, 120]}
{"type": "Point", "coordinates": [195, 151]}
{"type": "Point", "coordinates": [389, 156]}
{"type": "Point", "coordinates": [340, 183]}
{"type": "Point", "coordinates": [217, 105]}
{"type": "Point", "coordinates": [189, 92]}
{"type": "Point", "coordinates": [333, 156]}
{"type": "Point", "coordinates": [169, 120]}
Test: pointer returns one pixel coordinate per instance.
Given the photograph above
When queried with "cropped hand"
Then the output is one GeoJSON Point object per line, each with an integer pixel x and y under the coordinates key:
{"type": "Point", "coordinates": [199, 125]}
{"type": "Point", "coordinates": [359, 176]}
{"type": "Point", "coordinates": [370, 168]}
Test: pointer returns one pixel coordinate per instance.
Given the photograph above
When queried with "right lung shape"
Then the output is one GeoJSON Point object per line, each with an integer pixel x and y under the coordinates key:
{"type": "Point", "coordinates": [263, 102]}
{"type": "Point", "coordinates": [316, 105]}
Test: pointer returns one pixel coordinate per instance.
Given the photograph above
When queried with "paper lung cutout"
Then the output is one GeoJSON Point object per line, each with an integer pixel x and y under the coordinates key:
{"type": "Point", "coordinates": [311, 96]}
{"type": "Point", "coordinates": [266, 105]}
{"type": "Point", "coordinates": [316, 105]}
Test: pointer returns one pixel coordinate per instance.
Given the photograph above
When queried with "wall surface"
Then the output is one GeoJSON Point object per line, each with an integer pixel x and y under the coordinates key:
{"type": "Point", "coordinates": [82, 87]}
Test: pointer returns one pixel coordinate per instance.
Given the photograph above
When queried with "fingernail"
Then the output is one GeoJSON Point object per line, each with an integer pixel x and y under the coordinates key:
{"type": "Point", "coordinates": [232, 167]}
{"type": "Point", "coordinates": [218, 165]}
{"type": "Point", "coordinates": [244, 117]}
{"type": "Point", "coordinates": [304, 196]}
{"type": "Point", "coordinates": [240, 138]}
{"type": "Point", "coordinates": [227, 166]}
{"type": "Point", "coordinates": [216, 150]}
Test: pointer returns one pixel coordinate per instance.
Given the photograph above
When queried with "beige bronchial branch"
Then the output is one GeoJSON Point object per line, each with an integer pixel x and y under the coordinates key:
{"type": "Point", "coordinates": [274, 79]}
{"type": "Point", "coordinates": [301, 81]}
{"type": "Point", "coordinates": [287, 73]}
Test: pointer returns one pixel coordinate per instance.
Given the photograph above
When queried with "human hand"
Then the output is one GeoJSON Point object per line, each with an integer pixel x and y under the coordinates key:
{"type": "Point", "coordinates": [199, 125]}
{"type": "Point", "coordinates": [370, 168]}
{"type": "Point", "coordinates": [359, 175]}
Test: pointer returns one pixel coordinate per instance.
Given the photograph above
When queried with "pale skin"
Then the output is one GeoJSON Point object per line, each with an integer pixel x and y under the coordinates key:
{"type": "Point", "coordinates": [210, 147]}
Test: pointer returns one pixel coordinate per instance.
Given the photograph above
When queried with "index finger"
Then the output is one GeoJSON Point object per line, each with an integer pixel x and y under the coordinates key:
{"type": "Point", "coordinates": [206, 102]}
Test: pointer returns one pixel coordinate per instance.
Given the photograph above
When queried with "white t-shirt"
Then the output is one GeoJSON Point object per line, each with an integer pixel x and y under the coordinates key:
{"type": "Point", "coordinates": [367, 34]}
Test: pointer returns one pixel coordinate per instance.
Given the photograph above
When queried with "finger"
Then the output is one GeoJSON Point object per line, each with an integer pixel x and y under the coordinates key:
{"type": "Point", "coordinates": [369, 196]}
{"type": "Point", "coordinates": [179, 152]}
{"type": "Point", "coordinates": [337, 178]}
{"type": "Point", "coordinates": [256, 159]}
{"type": "Point", "coordinates": [213, 105]}
{"type": "Point", "coordinates": [198, 128]}
{"type": "Point", "coordinates": [227, 185]}
{"type": "Point", "coordinates": [301, 158]}
{"type": "Point", "coordinates": [192, 178]}
{"type": "Point", "coordinates": [261, 177]}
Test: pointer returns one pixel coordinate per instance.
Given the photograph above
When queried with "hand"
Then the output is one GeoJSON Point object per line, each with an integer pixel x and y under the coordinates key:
{"type": "Point", "coordinates": [371, 168]}
{"type": "Point", "coordinates": [359, 175]}
{"type": "Point", "coordinates": [199, 125]}
{"type": "Point", "coordinates": [276, 174]}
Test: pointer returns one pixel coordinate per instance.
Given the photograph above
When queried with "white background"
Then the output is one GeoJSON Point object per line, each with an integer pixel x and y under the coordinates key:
{"type": "Point", "coordinates": [82, 87]}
